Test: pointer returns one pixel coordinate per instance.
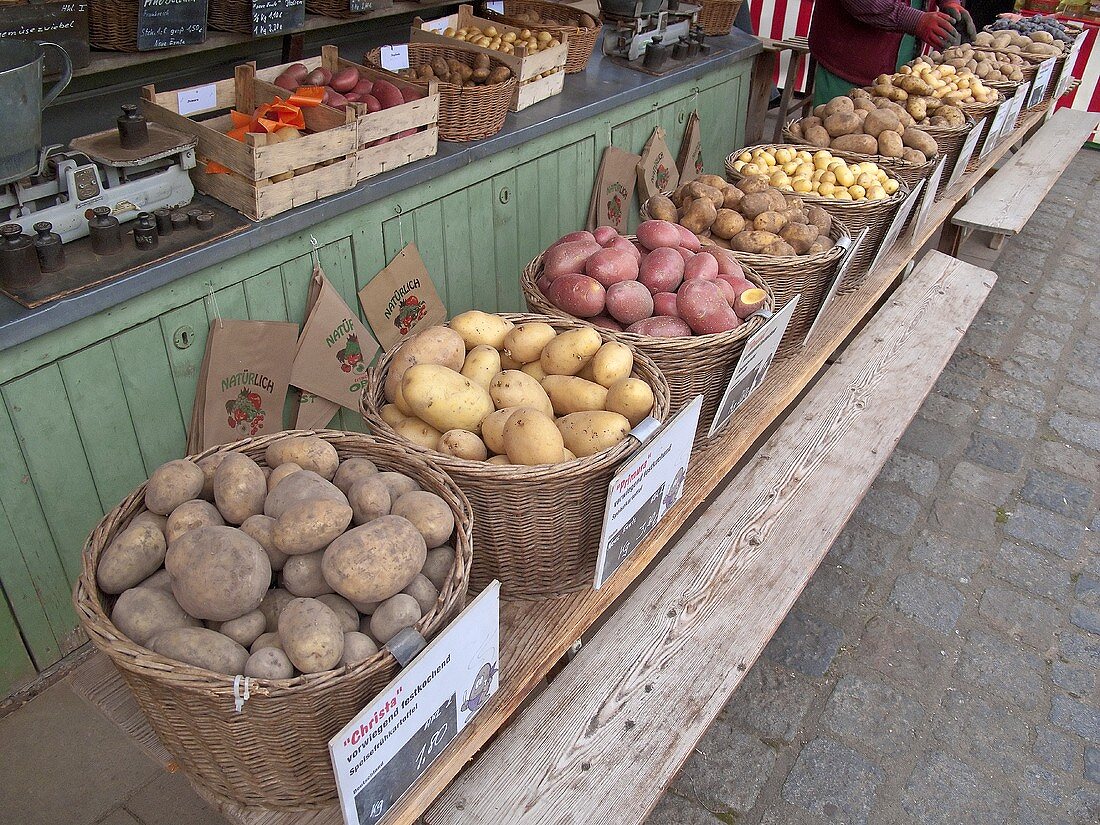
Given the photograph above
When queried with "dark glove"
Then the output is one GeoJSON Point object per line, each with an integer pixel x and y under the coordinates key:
{"type": "Point", "coordinates": [963, 22]}
{"type": "Point", "coordinates": [935, 28]}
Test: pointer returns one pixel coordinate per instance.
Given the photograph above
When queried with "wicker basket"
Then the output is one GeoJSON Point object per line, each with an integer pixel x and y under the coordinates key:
{"type": "Point", "coordinates": [274, 753]}
{"type": "Point", "coordinates": [717, 16]}
{"type": "Point", "coordinates": [537, 528]}
{"type": "Point", "coordinates": [113, 25]}
{"type": "Point", "coordinates": [581, 40]}
{"type": "Point", "coordinates": [950, 140]}
{"type": "Point", "coordinates": [807, 275]}
{"type": "Point", "coordinates": [230, 16]}
{"type": "Point", "coordinates": [856, 216]}
{"type": "Point", "coordinates": [692, 365]}
{"type": "Point", "coordinates": [465, 112]}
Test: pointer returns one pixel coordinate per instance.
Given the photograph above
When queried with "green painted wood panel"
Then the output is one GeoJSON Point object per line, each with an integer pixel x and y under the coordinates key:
{"type": "Point", "coordinates": [16, 667]}
{"type": "Point", "coordinates": [97, 406]}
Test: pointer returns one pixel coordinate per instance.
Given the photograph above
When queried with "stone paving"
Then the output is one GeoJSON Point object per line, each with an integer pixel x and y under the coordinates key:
{"type": "Point", "coordinates": [941, 666]}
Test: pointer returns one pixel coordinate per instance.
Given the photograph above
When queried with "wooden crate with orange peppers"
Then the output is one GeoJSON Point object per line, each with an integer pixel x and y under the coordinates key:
{"type": "Point", "coordinates": [261, 149]}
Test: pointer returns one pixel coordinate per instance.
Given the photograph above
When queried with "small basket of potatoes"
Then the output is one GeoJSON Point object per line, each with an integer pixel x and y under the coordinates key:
{"type": "Point", "coordinates": [247, 595]}
{"type": "Point", "coordinates": [530, 416]}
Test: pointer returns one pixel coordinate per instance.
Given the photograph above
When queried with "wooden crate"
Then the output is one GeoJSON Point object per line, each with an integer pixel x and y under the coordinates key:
{"type": "Point", "coordinates": [372, 127]}
{"type": "Point", "coordinates": [526, 67]}
{"type": "Point", "coordinates": [330, 147]}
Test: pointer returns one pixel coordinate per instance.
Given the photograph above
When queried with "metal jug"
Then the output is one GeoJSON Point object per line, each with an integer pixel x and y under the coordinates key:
{"type": "Point", "coordinates": [22, 102]}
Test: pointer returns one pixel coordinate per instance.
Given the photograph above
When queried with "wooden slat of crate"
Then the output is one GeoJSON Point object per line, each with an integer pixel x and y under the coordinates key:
{"type": "Point", "coordinates": [531, 92]}
{"type": "Point", "coordinates": [264, 199]}
{"type": "Point", "coordinates": [374, 160]}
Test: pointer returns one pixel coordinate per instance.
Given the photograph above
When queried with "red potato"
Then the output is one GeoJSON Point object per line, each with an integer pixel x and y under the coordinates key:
{"type": "Point", "coordinates": [335, 99]}
{"type": "Point", "coordinates": [409, 94]}
{"type": "Point", "coordinates": [626, 246]}
{"type": "Point", "coordinates": [387, 94]}
{"type": "Point", "coordinates": [749, 302]}
{"type": "Point", "coordinates": [287, 81]}
{"type": "Point", "coordinates": [318, 77]}
{"type": "Point", "coordinates": [543, 283]}
{"type": "Point", "coordinates": [664, 303]}
{"type": "Point", "coordinates": [605, 322]}
{"type": "Point", "coordinates": [610, 266]}
{"type": "Point", "coordinates": [345, 80]}
{"type": "Point", "coordinates": [379, 142]}
{"type": "Point", "coordinates": [662, 270]}
{"type": "Point", "coordinates": [568, 258]}
{"type": "Point", "coordinates": [654, 234]}
{"type": "Point", "coordinates": [739, 282]}
{"type": "Point", "coordinates": [578, 295]}
{"type": "Point", "coordinates": [728, 292]}
{"type": "Point", "coordinates": [688, 239]}
{"type": "Point", "coordinates": [703, 307]}
{"type": "Point", "coordinates": [629, 302]}
{"type": "Point", "coordinates": [702, 265]}
{"type": "Point", "coordinates": [352, 97]}
{"type": "Point", "coordinates": [581, 235]}
{"type": "Point", "coordinates": [661, 326]}
{"type": "Point", "coordinates": [371, 102]}
{"type": "Point", "coordinates": [364, 86]}
{"type": "Point", "coordinates": [686, 254]}
{"type": "Point", "coordinates": [298, 71]}
{"type": "Point", "coordinates": [727, 263]}
{"type": "Point", "coordinates": [605, 235]}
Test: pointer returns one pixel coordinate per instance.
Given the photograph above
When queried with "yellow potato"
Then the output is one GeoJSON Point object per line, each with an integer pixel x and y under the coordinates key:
{"type": "Point", "coordinates": [434, 345]}
{"type": "Point", "coordinates": [463, 444]}
{"type": "Point", "coordinates": [532, 438]}
{"type": "Point", "coordinates": [419, 432]}
{"type": "Point", "coordinates": [499, 459]}
{"type": "Point", "coordinates": [525, 343]}
{"type": "Point", "coordinates": [612, 362]}
{"type": "Point", "coordinates": [570, 351]}
{"type": "Point", "coordinates": [477, 327]}
{"type": "Point", "coordinates": [513, 388]}
{"type": "Point", "coordinates": [401, 404]}
{"type": "Point", "coordinates": [482, 364]}
{"type": "Point", "coordinates": [492, 429]}
{"type": "Point", "coordinates": [445, 399]}
{"type": "Point", "coordinates": [570, 394]}
{"type": "Point", "coordinates": [630, 397]}
{"type": "Point", "coordinates": [588, 433]}
{"type": "Point", "coordinates": [535, 370]}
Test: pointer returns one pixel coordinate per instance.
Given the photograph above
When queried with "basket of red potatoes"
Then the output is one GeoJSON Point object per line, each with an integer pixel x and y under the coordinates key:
{"type": "Point", "coordinates": [690, 308]}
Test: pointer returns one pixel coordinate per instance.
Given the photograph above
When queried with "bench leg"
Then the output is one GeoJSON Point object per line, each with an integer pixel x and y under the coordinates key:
{"type": "Point", "coordinates": [950, 239]}
{"type": "Point", "coordinates": [788, 93]}
{"type": "Point", "coordinates": [760, 92]}
{"type": "Point", "coordinates": [996, 241]}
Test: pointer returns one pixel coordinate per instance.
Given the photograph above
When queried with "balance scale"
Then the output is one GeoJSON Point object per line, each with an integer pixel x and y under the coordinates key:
{"type": "Point", "coordinates": [653, 37]}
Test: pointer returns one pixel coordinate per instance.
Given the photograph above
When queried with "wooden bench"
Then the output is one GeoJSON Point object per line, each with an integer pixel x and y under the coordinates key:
{"type": "Point", "coordinates": [1009, 198]}
{"type": "Point", "coordinates": [601, 743]}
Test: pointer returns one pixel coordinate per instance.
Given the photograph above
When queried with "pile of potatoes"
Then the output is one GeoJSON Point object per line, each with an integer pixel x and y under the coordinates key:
{"type": "Point", "coordinates": [532, 18]}
{"type": "Point", "coordinates": [752, 216]}
{"type": "Point", "coordinates": [923, 88]}
{"type": "Point", "coordinates": [485, 389]}
{"type": "Point", "coordinates": [306, 565]}
{"type": "Point", "coordinates": [923, 111]}
{"type": "Point", "coordinates": [664, 285]}
{"type": "Point", "coordinates": [988, 65]}
{"type": "Point", "coordinates": [1038, 43]}
{"type": "Point", "coordinates": [859, 125]}
{"type": "Point", "coordinates": [820, 174]}
{"type": "Point", "coordinates": [455, 71]}
{"type": "Point", "coordinates": [505, 42]}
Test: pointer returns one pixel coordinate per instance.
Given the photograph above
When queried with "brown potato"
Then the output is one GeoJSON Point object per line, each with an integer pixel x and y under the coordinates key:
{"type": "Point", "coordinates": [697, 189]}
{"type": "Point", "coordinates": [281, 472]}
{"type": "Point", "coordinates": [699, 214]}
{"type": "Point", "coordinates": [881, 120]}
{"type": "Point", "coordinates": [262, 528]}
{"type": "Point", "coordinates": [239, 488]}
{"type": "Point", "coordinates": [752, 185]}
{"type": "Point", "coordinates": [370, 499]}
{"type": "Point", "coordinates": [375, 561]}
{"type": "Point", "coordinates": [358, 647]}
{"type": "Point", "coordinates": [800, 236]}
{"type": "Point", "coordinates": [159, 581]}
{"type": "Point", "coordinates": [398, 484]}
{"type": "Point", "coordinates": [428, 513]}
{"type": "Point", "coordinates": [352, 470]}
{"type": "Point", "coordinates": [145, 517]}
{"type": "Point", "coordinates": [727, 223]}
{"type": "Point", "coordinates": [819, 218]}
{"type": "Point", "coordinates": [309, 452]}
{"type": "Point", "coordinates": [201, 648]}
{"type": "Point", "coordinates": [425, 593]}
{"type": "Point", "coordinates": [889, 144]}
{"type": "Point", "coordinates": [303, 575]}
{"type": "Point", "coordinates": [311, 635]}
{"type": "Point", "coordinates": [246, 629]}
{"type": "Point", "coordinates": [269, 663]}
{"type": "Point", "coordinates": [345, 611]}
{"type": "Point", "coordinates": [172, 484]}
{"type": "Point", "coordinates": [434, 345]}
{"type": "Point", "coordinates": [661, 208]}
{"type": "Point", "coordinates": [133, 556]}
{"type": "Point", "coordinates": [189, 515]}
{"type": "Point", "coordinates": [770, 222]}
{"type": "Point", "coordinates": [438, 564]}
{"type": "Point", "coordinates": [780, 248]}
{"type": "Point", "coordinates": [913, 155]}
{"type": "Point", "coordinates": [393, 615]}
{"type": "Point", "coordinates": [839, 106]}
{"type": "Point", "coordinates": [218, 573]}
{"type": "Point", "coordinates": [845, 123]}
{"type": "Point", "coordinates": [732, 197]}
{"type": "Point", "coordinates": [272, 605]}
{"type": "Point", "coordinates": [301, 486]}
{"type": "Point", "coordinates": [860, 144]}
{"type": "Point", "coordinates": [209, 466]}
{"type": "Point", "coordinates": [753, 241]}
{"type": "Point", "coordinates": [143, 612]}
{"type": "Point", "coordinates": [921, 141]}
{"type": "Point", "coordinates": [309, 526]}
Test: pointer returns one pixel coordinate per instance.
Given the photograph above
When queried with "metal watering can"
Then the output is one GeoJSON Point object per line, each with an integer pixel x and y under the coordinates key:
{"type": "Point", "coordinates": [22, 102]}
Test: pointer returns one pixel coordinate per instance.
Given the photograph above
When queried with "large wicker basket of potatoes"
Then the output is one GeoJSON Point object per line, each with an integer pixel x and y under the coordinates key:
{"type": "Point", "coordinates": [582, 28]}
{"type": "Point", "coordinates": [277, 567]}
{"type": "Point", "coordinates": [531, 417]}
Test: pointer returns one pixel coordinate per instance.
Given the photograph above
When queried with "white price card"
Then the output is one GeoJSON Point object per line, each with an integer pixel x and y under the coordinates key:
{"type": "Point", "coordinates": [197, 99]}
{"type": "Point", "coordinates": [929, 198]}
{"type": "Point", "coordinates": [1042, 78]}
{"type": "Point", "coordinates": [498, 7]}
{"type": "Point", "coordinates": [752, 366]}
{"type": "Point", "coordinates": [965, 154]}
{"type": "Point", "coordinates": [1066, 77]}
{"type": "Point", "coordinates": [853, 248]}
{"type": "Point", "coordinates": [896, 225]}
{"type": "Point", "coordinates": [441, 25]}
{"type": "Point", "coordinates": [996, 128]}
{"type": "Point", "coordinates": [1018, 100]}
{"type": "Point", "coordinates": [645, 488]}
{"type": "Point", "coordinates": [395, 58]}
{"type": "Point", "coordinates": [381, 752]}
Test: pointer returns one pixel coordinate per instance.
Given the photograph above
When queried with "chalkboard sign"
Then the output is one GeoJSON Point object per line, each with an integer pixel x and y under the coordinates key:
{"type": "Point", "coordinates": [65, 24]}
{"type": "Point", "coordinates": [163, 24]}
{"type": "Point", "coordinates": [364, 6]}
{"type": "Point", "coordinates": [277, 16]}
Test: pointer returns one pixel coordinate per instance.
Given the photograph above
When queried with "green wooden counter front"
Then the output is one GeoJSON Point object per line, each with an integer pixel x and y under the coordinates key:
{"type": "Point", "coordinates": [91, 409]}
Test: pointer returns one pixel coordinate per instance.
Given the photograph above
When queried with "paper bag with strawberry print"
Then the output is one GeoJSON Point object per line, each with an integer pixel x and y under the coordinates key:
{"type": "Point", "coordinates": [401, 298]}
{"type": "Point", "coordinates": [614, 189]}
{"type": "Point", "coordinates": [657, 169]}
{"type": "Point", "coordinates": [333, 355]}
{"type": "Point", "coordinates": [312, 412]}
{"type": "Point", "coordinates": [690, 159]}
{"type": "Point", "coordinates": [247, 375]}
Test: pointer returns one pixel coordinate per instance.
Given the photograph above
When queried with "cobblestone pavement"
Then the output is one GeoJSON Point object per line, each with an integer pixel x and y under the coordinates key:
{"type": "Point", "coordinates": [941, 666]}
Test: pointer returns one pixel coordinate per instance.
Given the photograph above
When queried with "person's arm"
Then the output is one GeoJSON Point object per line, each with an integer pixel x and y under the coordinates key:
{"type": "Point", "coordinates": [891, 15]}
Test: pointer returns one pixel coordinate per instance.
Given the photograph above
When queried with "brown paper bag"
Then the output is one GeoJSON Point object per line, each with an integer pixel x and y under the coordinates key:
{"type": "Point", "coordinates": [613, 190]}
{"type": "Point", "coordinates": [312, 412]}
{"type": "Point", "coordinates": [194, 430]}
{"type": "Point", "coordinates": [401, 298]}
{"type": "Point", "coordinates": [656, 170]}
{"type": "Point", "coordinates": [333, 354]}
{"type": "Point", "coordinates": [690, 159]}
{"type": "Point", "coordinates": [247, 374]}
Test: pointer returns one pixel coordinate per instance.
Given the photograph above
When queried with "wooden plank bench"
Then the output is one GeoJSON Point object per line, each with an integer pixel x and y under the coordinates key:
{"type": "Point", "coordinates": [605, 738]}
{"type": "Point", "coordinates": [1010, 197]}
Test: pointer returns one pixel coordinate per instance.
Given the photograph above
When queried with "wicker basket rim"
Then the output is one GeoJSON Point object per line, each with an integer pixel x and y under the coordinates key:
{"type": "Point", "coordinates": [551, 7]}
{"type": "Point", "coordinates": [564, 469]}
{"type": "Point", "coordinates": [138, 658]}
{"type": "Point", "coordinates": [879, 159]}
{"type": "Point", "coordinates": [374, 58]}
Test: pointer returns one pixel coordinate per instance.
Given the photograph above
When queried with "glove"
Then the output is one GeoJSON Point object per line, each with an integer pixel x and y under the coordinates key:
{"type": "Point", "coordinates": [935, 28]}
{"type": "Point", "coordinates": [963, 22]}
